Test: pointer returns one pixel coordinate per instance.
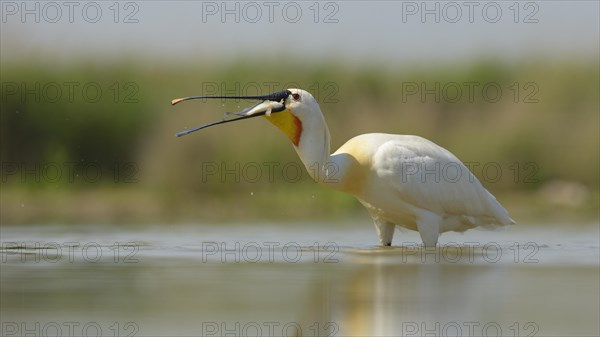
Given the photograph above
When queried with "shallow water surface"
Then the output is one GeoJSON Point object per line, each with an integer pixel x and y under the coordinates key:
{"type": "Point", "coordinates": [292, 280]}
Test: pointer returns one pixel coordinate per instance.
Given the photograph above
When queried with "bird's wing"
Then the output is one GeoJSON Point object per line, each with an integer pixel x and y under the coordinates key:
{"type": "Point", "coordinates": [430, 177]}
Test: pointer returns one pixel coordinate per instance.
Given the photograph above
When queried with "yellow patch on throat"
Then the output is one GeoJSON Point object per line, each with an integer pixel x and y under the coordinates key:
{"type": "Point", "coordinates": [288, 123]}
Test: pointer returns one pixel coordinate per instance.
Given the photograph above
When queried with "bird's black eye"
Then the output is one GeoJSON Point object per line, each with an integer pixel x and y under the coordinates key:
{"type": "Point", "coordinates": [296, 96]}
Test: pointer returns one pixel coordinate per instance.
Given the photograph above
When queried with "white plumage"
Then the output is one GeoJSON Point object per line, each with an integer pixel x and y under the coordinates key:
{"type": "Point", "coordinates": [404, 181]}
{"type": "Point", "coordinates": [413, 183]}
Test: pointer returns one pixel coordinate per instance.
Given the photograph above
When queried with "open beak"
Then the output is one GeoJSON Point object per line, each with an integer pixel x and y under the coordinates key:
{"type": "Point", "coordinates": [274, 102]}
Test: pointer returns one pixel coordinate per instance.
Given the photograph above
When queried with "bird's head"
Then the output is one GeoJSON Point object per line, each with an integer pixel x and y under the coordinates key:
{"type": "Point", "coordinates": [302, 104]}
{"type": "Point", "coordinates": [289, 110]}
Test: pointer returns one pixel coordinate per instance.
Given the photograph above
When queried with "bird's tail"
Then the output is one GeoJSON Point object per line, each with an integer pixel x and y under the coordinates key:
{"type": "Point", "coordinates": [500, 217]}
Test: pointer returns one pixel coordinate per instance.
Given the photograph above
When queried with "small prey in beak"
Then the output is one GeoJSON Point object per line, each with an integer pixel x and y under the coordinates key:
{"type": "Point", "coordinates": [267, 107]}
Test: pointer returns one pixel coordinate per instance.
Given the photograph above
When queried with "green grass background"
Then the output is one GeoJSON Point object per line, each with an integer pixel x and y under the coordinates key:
{"type": "Point", "coordinates": [133, 127]}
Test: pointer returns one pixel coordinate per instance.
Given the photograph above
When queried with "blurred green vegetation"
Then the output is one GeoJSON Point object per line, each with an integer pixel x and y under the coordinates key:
{"type": "Point", "coordinates": [74, 154]}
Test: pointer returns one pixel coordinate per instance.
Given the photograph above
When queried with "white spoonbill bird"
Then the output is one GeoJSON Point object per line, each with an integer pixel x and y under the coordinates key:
{"type": "Point", "coordinates": [402, 180]}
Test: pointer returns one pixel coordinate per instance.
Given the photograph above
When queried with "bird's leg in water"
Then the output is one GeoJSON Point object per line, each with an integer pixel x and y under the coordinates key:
{"type": "Point", "coordinates": [385, 231]}
{"type": "Point", "coordinates": [428, 224]}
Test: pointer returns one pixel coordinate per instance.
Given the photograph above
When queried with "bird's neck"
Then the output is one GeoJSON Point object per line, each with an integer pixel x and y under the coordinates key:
{"type": "Point", "coordinates": [314, 151]}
